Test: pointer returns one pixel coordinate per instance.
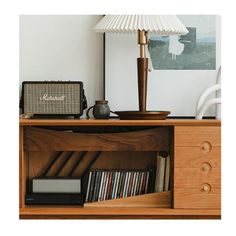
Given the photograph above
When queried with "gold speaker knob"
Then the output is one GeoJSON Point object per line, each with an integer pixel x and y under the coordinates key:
{"type": "Point", "coordinates": [206, 188]}
{"type": "Point", "coordinates": [206, 167]}
{"type": "Point", "coordinates": [206, 146]}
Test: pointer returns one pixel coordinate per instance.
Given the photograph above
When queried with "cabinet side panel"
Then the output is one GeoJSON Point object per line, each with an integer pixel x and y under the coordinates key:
{"type": "Point", "coordinates": [23, 168]}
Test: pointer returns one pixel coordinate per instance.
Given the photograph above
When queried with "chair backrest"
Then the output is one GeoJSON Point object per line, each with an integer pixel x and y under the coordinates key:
{"type": "Point", "coordinates": [203, 104]}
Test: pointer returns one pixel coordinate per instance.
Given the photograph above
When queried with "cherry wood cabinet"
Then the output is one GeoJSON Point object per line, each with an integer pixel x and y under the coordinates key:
{"type": "Point", "coordinates": [194, 146]}
{"type": "Point", "coordinates": [197, 167]}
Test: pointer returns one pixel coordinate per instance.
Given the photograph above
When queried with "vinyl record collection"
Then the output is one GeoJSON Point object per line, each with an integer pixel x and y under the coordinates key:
{"type": "Point", "coordinates": [112, 184]}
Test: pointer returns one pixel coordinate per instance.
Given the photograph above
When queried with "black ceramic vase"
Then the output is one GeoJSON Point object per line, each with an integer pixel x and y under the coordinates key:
{"type": "Point", "coordinates": [101, 110]}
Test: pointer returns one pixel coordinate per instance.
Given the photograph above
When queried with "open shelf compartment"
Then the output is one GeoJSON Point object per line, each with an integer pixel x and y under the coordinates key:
{"type": "Point", "coordinates": [38, 155]}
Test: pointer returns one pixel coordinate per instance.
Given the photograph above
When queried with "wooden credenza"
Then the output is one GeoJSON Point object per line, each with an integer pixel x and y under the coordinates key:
{"type": "Point", "coordinates": [194, 146]}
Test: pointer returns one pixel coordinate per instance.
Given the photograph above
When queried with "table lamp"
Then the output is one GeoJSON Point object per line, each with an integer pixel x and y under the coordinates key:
{"type": "Point", "coordinates": [142, 25]}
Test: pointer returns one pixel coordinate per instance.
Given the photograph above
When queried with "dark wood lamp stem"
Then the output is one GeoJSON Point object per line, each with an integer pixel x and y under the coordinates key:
{"type": "Point", "coordinates": [142, 64]}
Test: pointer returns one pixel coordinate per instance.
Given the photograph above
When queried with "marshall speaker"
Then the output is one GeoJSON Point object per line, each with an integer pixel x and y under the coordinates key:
{"type": "Point", "coordinates": [53, 98]}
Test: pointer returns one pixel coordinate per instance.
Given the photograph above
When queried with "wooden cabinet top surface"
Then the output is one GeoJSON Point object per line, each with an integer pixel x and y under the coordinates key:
{"type": "Point", "coordinates": [117, 122]}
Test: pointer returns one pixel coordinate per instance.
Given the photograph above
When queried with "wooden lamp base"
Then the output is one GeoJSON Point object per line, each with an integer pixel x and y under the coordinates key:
{"type": "Point", "coordinates": [142, 115]}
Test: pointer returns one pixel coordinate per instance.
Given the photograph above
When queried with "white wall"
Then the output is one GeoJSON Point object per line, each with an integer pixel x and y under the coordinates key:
{"type": "Point", "coordinates": [62, 48]}
{"type": "Point", "coordinates": [66, 48]}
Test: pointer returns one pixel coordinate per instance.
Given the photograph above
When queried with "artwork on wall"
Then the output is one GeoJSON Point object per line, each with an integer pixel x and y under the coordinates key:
{"type": "Point", "coordinates": [193, 51]}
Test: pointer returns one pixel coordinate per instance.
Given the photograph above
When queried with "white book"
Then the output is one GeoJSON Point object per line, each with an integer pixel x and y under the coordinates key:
{"type": "Point", "coordinates": [167, 173]}
{"type": "Point", "coordinates": [160, 174]}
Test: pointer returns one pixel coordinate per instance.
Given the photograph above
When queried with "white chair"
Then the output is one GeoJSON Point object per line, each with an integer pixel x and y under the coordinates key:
{"type": "Point", "coordinates": [203, 104]}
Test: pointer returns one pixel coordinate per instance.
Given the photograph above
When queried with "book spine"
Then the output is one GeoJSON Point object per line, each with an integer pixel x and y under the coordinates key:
{"type": "Point", "coordinates": [117, 182]}
{"type": "Point", "coordinates": [100, 188]}
{"type": "Point", "coordinates": [99, 185]}
{"type": "Point", "coordinates": [167, 173]}
{"type": "Point", "coordinates": [88, 186]}
{"type": "Point", "coordinates": [109, 185]}
{"type": "Point", "coordinates": [141, 183]}
{"type": "Point", "coordinates": [113, 190]}
{"type": "Point", "coordinates": [135, 184]}
{"type": "Point", "coordinates": [92, 186]}
{"type": "Point", "coordinates": [151, 184]}
{"type": "Point", "coordinates": [138, 183]}
{"type": "Point", "coordinates": [95, 186]}
{"type": "Point", "coordinates": [130, 184]}
{"type": "Point", "coordinates": [146, 183]}
{"type": "Point", "coordinates": [112, 184]}
{"type": "Point", "coordinates": [132, 189]}
{"type": "Point", "coordinates": [161, 175]}
{"type": "Point", "coordinates": [126, 180]}
{"type": "Point", "coordinates": [104, 185]}
{"type": "Point", "coordinates": [122, 185]}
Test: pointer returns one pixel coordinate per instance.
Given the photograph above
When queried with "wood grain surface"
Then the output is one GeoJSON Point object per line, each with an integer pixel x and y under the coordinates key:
{"type": "Point", "coordinates": [195, 143]}
{"type": "Point", "coordinates": [37, 139]}
{"type": "Point", "coordinates": [195, 156]}
{"type": "Point", "coordinates": [117, 122]}
{"type": "Point", "coordinates": [197, 165]}
{"type": "Point", "coordinates": [196, 136]}
{"type": "Point", "coordinates": [160, 200]}
{"type": "Point", "coordinates": [117, 211]}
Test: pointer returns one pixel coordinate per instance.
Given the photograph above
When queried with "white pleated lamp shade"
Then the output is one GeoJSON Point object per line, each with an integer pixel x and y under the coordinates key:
{"type": "Point", "coordinates": [154, 24]}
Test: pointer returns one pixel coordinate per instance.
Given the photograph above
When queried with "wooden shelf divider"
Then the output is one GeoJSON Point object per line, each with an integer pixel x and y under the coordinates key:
{"type": "Point", "coordinates": [160, 200]}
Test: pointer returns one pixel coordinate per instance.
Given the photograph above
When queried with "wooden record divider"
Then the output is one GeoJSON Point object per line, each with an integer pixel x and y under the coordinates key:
{"type": "Point", "coordinates": [65, 161]}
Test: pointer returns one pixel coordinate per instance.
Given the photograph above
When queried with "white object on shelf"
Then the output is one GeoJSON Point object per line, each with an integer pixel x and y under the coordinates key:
{"type": "Point", "coordinates": [203, 104]}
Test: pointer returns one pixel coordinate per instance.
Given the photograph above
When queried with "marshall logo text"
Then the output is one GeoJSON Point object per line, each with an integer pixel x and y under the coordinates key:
{"type": "Point", "coordinates": [47, 97]}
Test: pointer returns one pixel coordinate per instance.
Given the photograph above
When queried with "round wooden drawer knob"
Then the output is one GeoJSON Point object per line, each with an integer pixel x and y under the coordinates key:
{"type": "Point", "coordinates": [206, 167]}
{"type": "Point", "coordinates": [206, 146]}
{"type": "Point", "coordinates": [206, 188]}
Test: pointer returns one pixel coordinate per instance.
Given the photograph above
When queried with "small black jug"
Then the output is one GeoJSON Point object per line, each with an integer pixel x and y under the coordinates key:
{"type": "Point", "coordinates": [101, 110]}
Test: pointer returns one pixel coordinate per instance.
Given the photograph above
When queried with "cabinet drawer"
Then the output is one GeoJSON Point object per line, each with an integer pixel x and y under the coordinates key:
{"type": "Point", "coordinates": [194, 177]}
{"type": "Point", "coordinates": [203, 136]}
{"type": "Point", "coordinates": [189, 157]}
{"type": "Point", "coordinates": [38, 139]}
{"type": "Point", "coordinates": [195, 188]}
{"type": "Point", "coordinates": [197, 198]}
